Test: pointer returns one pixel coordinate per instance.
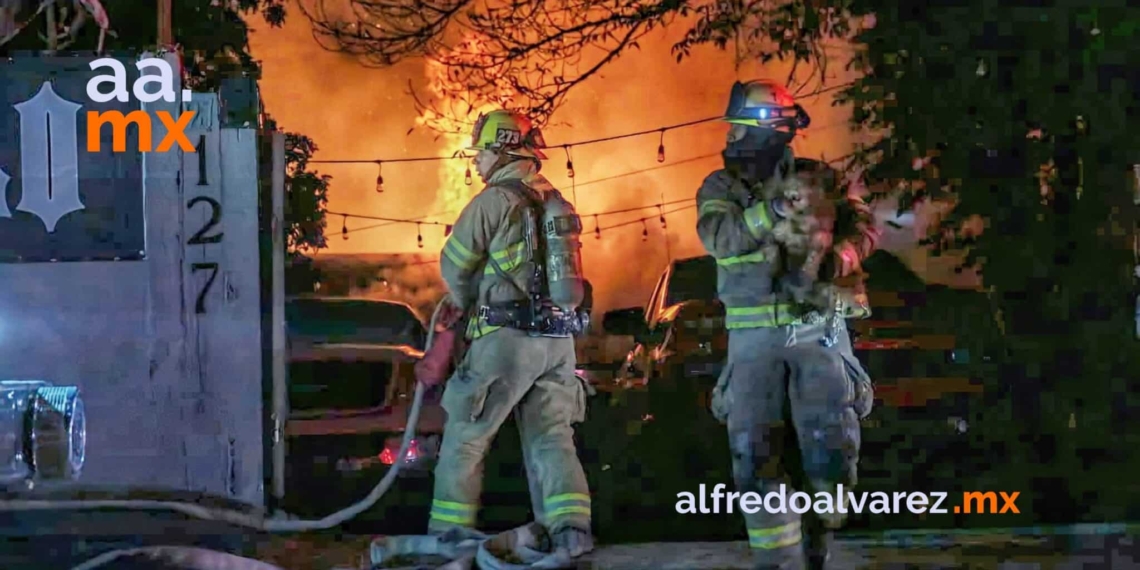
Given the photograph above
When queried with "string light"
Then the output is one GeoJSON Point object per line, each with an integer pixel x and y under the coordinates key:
{"type": "Point", "coordinates": [447, 227]}
{"type": "Point", "coordinates": [602, 180]}
{"type": "Point", "coordinates": [467, 176]}
{"type": "Point", "coordinates": [420, 222]}
{"type": "Point", "coordinates": [643, 220]}
{"type": "Point", "coordinates": [565, 146]}
{"type": "Point", "coordinates": [569, 163]}
{"type": "Point", "coordinates": [379, 176]}
{"type": "Point", "coordinates": [661, 147]}
{"type": "Point", "coordinates": [597, 226]}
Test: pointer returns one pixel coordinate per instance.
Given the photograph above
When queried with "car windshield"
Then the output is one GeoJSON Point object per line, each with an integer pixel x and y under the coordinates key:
{"type": "Point", "coordinates": [692, 280]}
{"type": "Point", "coordinates": [341, 320]}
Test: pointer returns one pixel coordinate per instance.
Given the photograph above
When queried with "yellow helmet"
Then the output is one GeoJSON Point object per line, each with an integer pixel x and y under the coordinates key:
{"type": "Point", "coordinates": [764, 103]}
{"type": "Point", "coordinates": [509, 133]}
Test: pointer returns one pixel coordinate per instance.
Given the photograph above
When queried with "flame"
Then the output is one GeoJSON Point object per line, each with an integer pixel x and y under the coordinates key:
{"type": "Point", "coordinates": [451, 116]}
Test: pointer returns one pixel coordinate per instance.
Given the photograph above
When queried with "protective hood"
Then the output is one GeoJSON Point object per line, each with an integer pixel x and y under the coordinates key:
{"type": "Point", "coordinates": [525, 170]}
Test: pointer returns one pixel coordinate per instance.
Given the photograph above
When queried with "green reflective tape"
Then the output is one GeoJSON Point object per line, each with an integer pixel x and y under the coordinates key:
{"type": "Point", "coordinates": [754, 257]}
{"type": "Point", "coordinates": [508, 258]}
{"type": "Point", "coordinates": [563, 512]}
{"type": "Point", "coordinates": [459, 254]}
{"type": "Point", "coordinates": [716, 206]}
{"type": "Point", "coordinates": [479, 328]}
{"type": "Point", "coordinates": [452, 512]}
{"type": "Point", "coordinates": [775, 537]}
{"type": "Point", "coordinates": [566, 505]}
{"type": "Point", "coordinates": [566, 499]}
{"type": "Point", "coordinates": [760, 317]}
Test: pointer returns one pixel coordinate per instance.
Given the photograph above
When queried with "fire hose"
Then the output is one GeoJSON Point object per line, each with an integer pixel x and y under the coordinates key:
{"type": "Point", "coordinates": [522, 543]}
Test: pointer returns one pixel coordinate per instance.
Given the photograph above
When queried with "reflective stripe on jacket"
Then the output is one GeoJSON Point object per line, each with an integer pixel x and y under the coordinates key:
{"type": "Point", "coordinates": [733, 226]}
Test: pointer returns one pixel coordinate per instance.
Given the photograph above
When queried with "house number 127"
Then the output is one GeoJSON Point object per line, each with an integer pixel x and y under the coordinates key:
{"type": "Point", "coordinates": [203, 237]}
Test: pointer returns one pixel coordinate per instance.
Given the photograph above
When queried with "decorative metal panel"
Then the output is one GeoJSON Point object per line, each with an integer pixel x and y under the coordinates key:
{"type": "Point", "coordinates": [61, 202]}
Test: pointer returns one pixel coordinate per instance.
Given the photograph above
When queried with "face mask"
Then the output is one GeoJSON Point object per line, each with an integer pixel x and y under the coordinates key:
{"type": "Point", "coordinates": [756, 155]}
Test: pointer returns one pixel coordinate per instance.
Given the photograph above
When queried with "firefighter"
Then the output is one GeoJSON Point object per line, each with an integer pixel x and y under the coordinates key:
{"type": "Point", "coordinates": [522, 295]}
{"type": "Point", "coordinates": [792, 392]}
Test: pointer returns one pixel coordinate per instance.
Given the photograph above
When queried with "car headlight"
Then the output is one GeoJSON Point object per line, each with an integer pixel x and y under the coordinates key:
{"type": "Point", "coordinates": [43, 431]}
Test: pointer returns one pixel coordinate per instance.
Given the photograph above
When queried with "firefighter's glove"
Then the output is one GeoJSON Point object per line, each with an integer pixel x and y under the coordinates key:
{"type": "Point", "coordinates": [848, 261]}
{"type": "Point", "coordinates": [449, 315]}
{"type": "Point", "coordinates": [863, 399]}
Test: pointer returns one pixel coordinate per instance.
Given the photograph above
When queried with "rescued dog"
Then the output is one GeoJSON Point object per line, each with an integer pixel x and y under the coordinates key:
{"type": "Point", "coordinates": [819, 239]}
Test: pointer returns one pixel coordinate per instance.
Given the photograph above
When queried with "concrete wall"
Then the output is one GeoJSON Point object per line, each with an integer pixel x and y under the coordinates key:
{"type": "Point", "coordinates": [173, 396]}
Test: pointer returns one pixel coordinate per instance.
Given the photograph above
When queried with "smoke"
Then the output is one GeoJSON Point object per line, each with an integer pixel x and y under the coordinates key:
{"type": "Point", "coordinates": [355, 112]}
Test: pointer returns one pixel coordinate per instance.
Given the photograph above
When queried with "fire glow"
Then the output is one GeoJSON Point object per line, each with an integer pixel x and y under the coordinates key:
{"type": "Point", "coordinates": [454, 117]}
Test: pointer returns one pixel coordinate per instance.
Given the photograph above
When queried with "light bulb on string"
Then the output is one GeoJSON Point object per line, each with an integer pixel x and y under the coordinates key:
{"type": "Point", "coordinates": [419, 235]}
{"type": "Point", "coordinates": [344, 228]}
{"type": "Point", "coordinates": [467, 176]}
{"type": "Point", "coordinates": [379, 177]}
{"type": "Point", "coordinates": [569, 163]}
{"type": "Point", "coordinates": [644, 231]}
{"type": "Point", "coordinates": [662, 216]}
{"type": "Point", "coordinates": [661, 147]}
{"type": "Point", "coordinates": [598, 229]}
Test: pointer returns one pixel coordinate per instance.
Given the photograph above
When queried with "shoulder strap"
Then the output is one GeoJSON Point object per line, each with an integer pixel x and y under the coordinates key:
{"type": "Point", "coordinates": [520, 190]}
{"type": "Point", "coordinates": [526, 194]}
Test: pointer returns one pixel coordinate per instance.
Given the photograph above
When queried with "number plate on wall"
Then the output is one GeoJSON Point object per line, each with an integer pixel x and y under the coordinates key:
{"type": "Point", "coordinates": [61, 202]}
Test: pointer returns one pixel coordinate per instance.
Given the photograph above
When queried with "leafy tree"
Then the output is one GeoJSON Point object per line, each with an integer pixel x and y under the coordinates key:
{"type": "Point", "coordinates": [214, 40]}
{"type": "Point", "coordinates": [306, 196]}
{"type": "Point", "coordinates": [1024, 117]}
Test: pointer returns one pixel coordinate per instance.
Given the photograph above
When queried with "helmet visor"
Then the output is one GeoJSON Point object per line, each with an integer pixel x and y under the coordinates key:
{"type": "Point", "coordinates": [763, 116]}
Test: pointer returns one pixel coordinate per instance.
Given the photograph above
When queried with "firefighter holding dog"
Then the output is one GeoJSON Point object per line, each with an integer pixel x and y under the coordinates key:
{"type": "Point", "coordinates": [792, 392]}
{"type": "Point", "coordinates": [512, 265]}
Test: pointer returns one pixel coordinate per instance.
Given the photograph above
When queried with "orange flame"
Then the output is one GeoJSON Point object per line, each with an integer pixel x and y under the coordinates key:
{"type": "Point", "coordinates": [449, 116]}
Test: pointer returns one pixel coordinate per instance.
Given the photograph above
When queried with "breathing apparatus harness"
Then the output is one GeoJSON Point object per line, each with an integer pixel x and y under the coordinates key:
{"type": "Point", "coordinates": [538, 315]}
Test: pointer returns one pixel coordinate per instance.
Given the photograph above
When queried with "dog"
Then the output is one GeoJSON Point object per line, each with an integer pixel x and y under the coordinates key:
{"type": "Point", "coordinates": [819, 240]}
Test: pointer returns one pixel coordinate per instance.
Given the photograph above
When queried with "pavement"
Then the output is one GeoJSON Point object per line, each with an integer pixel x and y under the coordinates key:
{"type": "Point", "coordinates": [1079, 547]}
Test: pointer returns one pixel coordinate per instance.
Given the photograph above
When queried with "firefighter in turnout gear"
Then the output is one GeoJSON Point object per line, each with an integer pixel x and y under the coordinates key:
{"type": "Point", "coordinates": [512, 263]}
{"type": "Point", "coordinates": [792, 392]}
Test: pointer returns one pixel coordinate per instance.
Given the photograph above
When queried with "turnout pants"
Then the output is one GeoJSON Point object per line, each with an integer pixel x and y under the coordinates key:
{"type": "Point", "coordinates": [508, 372]}
{"type": "Point", "coordinates": [788, 404]}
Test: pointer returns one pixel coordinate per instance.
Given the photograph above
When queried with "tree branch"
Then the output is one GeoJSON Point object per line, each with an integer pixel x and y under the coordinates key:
{"type": "Point", "coordinates": [529, 55]}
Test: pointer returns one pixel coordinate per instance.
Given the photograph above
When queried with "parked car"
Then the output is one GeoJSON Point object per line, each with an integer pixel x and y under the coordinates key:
{"type": "Point", "coordinates": [350, 384]}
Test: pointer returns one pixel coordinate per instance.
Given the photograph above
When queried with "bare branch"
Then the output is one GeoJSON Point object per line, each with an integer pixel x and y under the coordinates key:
{"type": "Point", "coordinates": [529, 54]}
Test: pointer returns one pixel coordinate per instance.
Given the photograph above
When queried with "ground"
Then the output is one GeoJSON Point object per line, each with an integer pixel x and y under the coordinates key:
{"type": "Point", "coordinates": [1083, 547]}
